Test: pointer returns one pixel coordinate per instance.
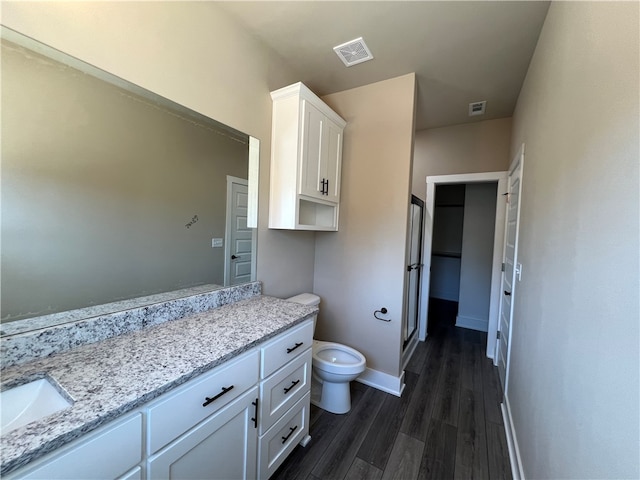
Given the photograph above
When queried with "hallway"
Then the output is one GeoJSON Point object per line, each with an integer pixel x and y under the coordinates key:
{"type": "Point", "coordinates": [447, 424]}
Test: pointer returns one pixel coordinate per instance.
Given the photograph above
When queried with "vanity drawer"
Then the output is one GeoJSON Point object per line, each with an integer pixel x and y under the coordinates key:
{"type": "Point", "coordinates": [285, 348]}
{"type": "Point", "coordinates": [282, 438]}
{"type": "Point", "coordinates": [184, 408]}
{"type": "Point", "coordinates": [283, 389]}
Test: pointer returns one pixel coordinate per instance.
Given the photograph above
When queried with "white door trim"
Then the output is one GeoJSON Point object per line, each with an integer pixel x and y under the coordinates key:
{"type": "Point", "coordinates": [517, 163]}
{"type": "Point", "coordinates": [496, 270]}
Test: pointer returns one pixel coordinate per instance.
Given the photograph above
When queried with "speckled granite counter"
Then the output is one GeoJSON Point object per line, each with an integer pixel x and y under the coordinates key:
{"type": "Point", "coordinates": [112, 377]}
{"type": "Point", "coordinates": [28, 340]}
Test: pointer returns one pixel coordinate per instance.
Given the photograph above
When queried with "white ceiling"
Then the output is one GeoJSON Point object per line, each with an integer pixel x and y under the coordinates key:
{"type": "Point", "coordinates": [462, 52]}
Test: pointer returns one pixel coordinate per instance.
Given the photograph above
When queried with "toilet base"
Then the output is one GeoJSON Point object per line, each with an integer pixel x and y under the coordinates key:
{"type": "Point", "coordinates": [332, 397]}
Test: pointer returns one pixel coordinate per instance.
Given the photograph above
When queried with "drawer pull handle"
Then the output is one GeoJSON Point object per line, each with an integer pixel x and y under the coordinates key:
{"type": "Point", "coordinates": [255, 415]}
{"type": "Point", "coordinates": [291, 430]}
{"type": "Point", "coordinates": [293, 384]}
{"type": "Point", "coordinates": [289, 350]}
{"type": "Point", "coordinates": [213, 399]}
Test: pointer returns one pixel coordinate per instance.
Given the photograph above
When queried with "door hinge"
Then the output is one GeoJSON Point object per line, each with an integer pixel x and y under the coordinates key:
{"type": "Point", "coordinates": [502, 267]}
{"type": "Point", "coordinates": [498, 334]}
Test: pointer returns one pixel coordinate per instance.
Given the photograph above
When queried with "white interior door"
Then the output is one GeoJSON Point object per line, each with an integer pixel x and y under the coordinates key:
{"type": "Point", "coordinates": [511, 268]}
{"type": "Point", "coordinates": [240, 239]}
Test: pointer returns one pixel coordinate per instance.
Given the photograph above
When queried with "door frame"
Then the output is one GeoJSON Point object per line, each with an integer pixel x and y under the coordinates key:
{"type": "Point", "coordinates": [498, 241]}
{"type": "Point", "coordinates": [410, 343]}
{"type": "Point", "coordinates": [516, 164]}
{"type": "Point", "coordinates": [227, 231]}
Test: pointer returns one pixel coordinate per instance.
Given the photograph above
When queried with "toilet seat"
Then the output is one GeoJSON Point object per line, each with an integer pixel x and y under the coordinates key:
{"type": "Point", "coordinates": [337, 358]}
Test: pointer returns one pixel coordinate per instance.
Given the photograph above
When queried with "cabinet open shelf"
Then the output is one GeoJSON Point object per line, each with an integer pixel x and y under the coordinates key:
{"type": "Point", "coordinates": [317, 215]}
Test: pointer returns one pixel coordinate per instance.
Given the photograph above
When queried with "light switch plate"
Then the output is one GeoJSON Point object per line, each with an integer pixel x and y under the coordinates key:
{"type": "Point", "coordinates": [216, 242]}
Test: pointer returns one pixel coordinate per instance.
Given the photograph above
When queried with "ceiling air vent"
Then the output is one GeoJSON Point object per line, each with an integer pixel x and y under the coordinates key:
{"type": "Point", "coordinates": [477, 108]}
{"type": "Point", "coordinates": [353, 52]}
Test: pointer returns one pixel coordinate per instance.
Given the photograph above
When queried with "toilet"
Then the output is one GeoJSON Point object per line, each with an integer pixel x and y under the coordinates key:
{"type": "Point", "coordinates": [334, 366]}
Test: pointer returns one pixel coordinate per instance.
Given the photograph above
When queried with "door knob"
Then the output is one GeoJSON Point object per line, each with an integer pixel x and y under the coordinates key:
{"type": "Point", "coordinates": [233, 257]}
{"type": "Point", "coordinates": [508, 294]}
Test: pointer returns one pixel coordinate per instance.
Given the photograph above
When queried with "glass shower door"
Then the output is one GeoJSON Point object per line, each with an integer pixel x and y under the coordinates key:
{"type": "Point", "coordinates": [414, 269]}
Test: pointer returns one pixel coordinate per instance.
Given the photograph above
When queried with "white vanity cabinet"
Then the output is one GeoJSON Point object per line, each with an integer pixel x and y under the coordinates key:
{"type": "Point", "coordinates": [306, 160]}
{"type": "Point", "coordinates": [237, 421]}
{"type": "Point", "coordinates": [285, 393]}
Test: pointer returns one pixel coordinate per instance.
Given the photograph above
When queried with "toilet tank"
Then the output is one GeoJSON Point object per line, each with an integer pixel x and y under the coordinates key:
{"type": "Point", "coordinates": [306, 299]}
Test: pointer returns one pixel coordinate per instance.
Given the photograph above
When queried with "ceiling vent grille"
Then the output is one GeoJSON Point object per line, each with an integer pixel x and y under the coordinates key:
{"type": "Point", "coordinates": [477, 108]}
{"type": "Point", "coordinates": [353, 52]}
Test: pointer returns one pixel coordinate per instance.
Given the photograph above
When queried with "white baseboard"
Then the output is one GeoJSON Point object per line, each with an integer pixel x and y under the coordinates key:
{"type": "Point", "coordinates": [512, 441]}
{"type": "Point", "coordinates": [383, 381]}
{"type": "Point", "coordinates": [472, 323]}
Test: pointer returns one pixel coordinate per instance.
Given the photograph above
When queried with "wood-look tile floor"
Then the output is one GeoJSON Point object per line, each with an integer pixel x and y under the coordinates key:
{"type": "Point", "coordinates": [447, 424]}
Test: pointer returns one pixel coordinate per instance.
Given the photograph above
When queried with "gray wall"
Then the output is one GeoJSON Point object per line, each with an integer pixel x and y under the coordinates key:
{"type": "Point", "coordinates": [361, 267]}
{"type": "Point", "coordinates": [468, 148]}
{"type": "Point", "coordinates": [574, 380]}
{"type": "Point", "coordinates": [477, 255]}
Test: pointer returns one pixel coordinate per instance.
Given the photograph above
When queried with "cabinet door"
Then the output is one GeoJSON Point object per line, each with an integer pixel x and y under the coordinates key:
{"type": "Point", "coordinates": [221, 447]}
{"type": "Point", "coordinates": [311, 163]}
{"type": "Point", "coordinates": [332, 160]}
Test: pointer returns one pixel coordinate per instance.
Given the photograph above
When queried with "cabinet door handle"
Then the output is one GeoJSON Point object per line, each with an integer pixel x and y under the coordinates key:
{"type": "Point", "coordinates": [289, 350]}
{"type": "Point", "coordinates": [255, 414]}
{"type": "Point", "coordinates": [293, 384]}
{"type": "Point", "coordinates": [324, 186]}
{"type": "Point", "coordinates": [291, 430]}
{"type": "Point", "coordinates": [213, 399]}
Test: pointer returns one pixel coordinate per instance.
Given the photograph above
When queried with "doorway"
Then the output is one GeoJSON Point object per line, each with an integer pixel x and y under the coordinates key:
{"type": "Point", "coordinates": [462, 251]}
{"type": "Point", "coordinates": [497, 238]}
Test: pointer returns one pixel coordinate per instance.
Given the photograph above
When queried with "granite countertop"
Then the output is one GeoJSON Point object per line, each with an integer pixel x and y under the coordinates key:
{"type": "Point", "coordinates": [117, 375]}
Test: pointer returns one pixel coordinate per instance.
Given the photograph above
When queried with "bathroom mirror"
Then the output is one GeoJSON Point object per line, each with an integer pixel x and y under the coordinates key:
{"type": "Point", "coordinates": [110, 192]}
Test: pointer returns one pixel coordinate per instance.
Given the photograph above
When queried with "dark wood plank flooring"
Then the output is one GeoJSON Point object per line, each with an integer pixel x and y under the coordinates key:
{"type": "Point", "coordinates": [447, 424]}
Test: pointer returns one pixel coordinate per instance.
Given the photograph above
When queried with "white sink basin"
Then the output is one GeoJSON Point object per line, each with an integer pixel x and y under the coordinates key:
{"type": "Point", "coordinates": [29, 402]}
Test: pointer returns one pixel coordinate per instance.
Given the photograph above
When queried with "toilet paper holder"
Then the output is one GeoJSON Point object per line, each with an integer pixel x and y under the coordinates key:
{"type": "Point", "coordinates": [382, 311]}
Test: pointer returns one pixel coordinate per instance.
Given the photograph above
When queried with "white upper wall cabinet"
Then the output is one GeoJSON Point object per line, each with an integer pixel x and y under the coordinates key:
{"type": "Point", "coordinates": [306, 158]}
